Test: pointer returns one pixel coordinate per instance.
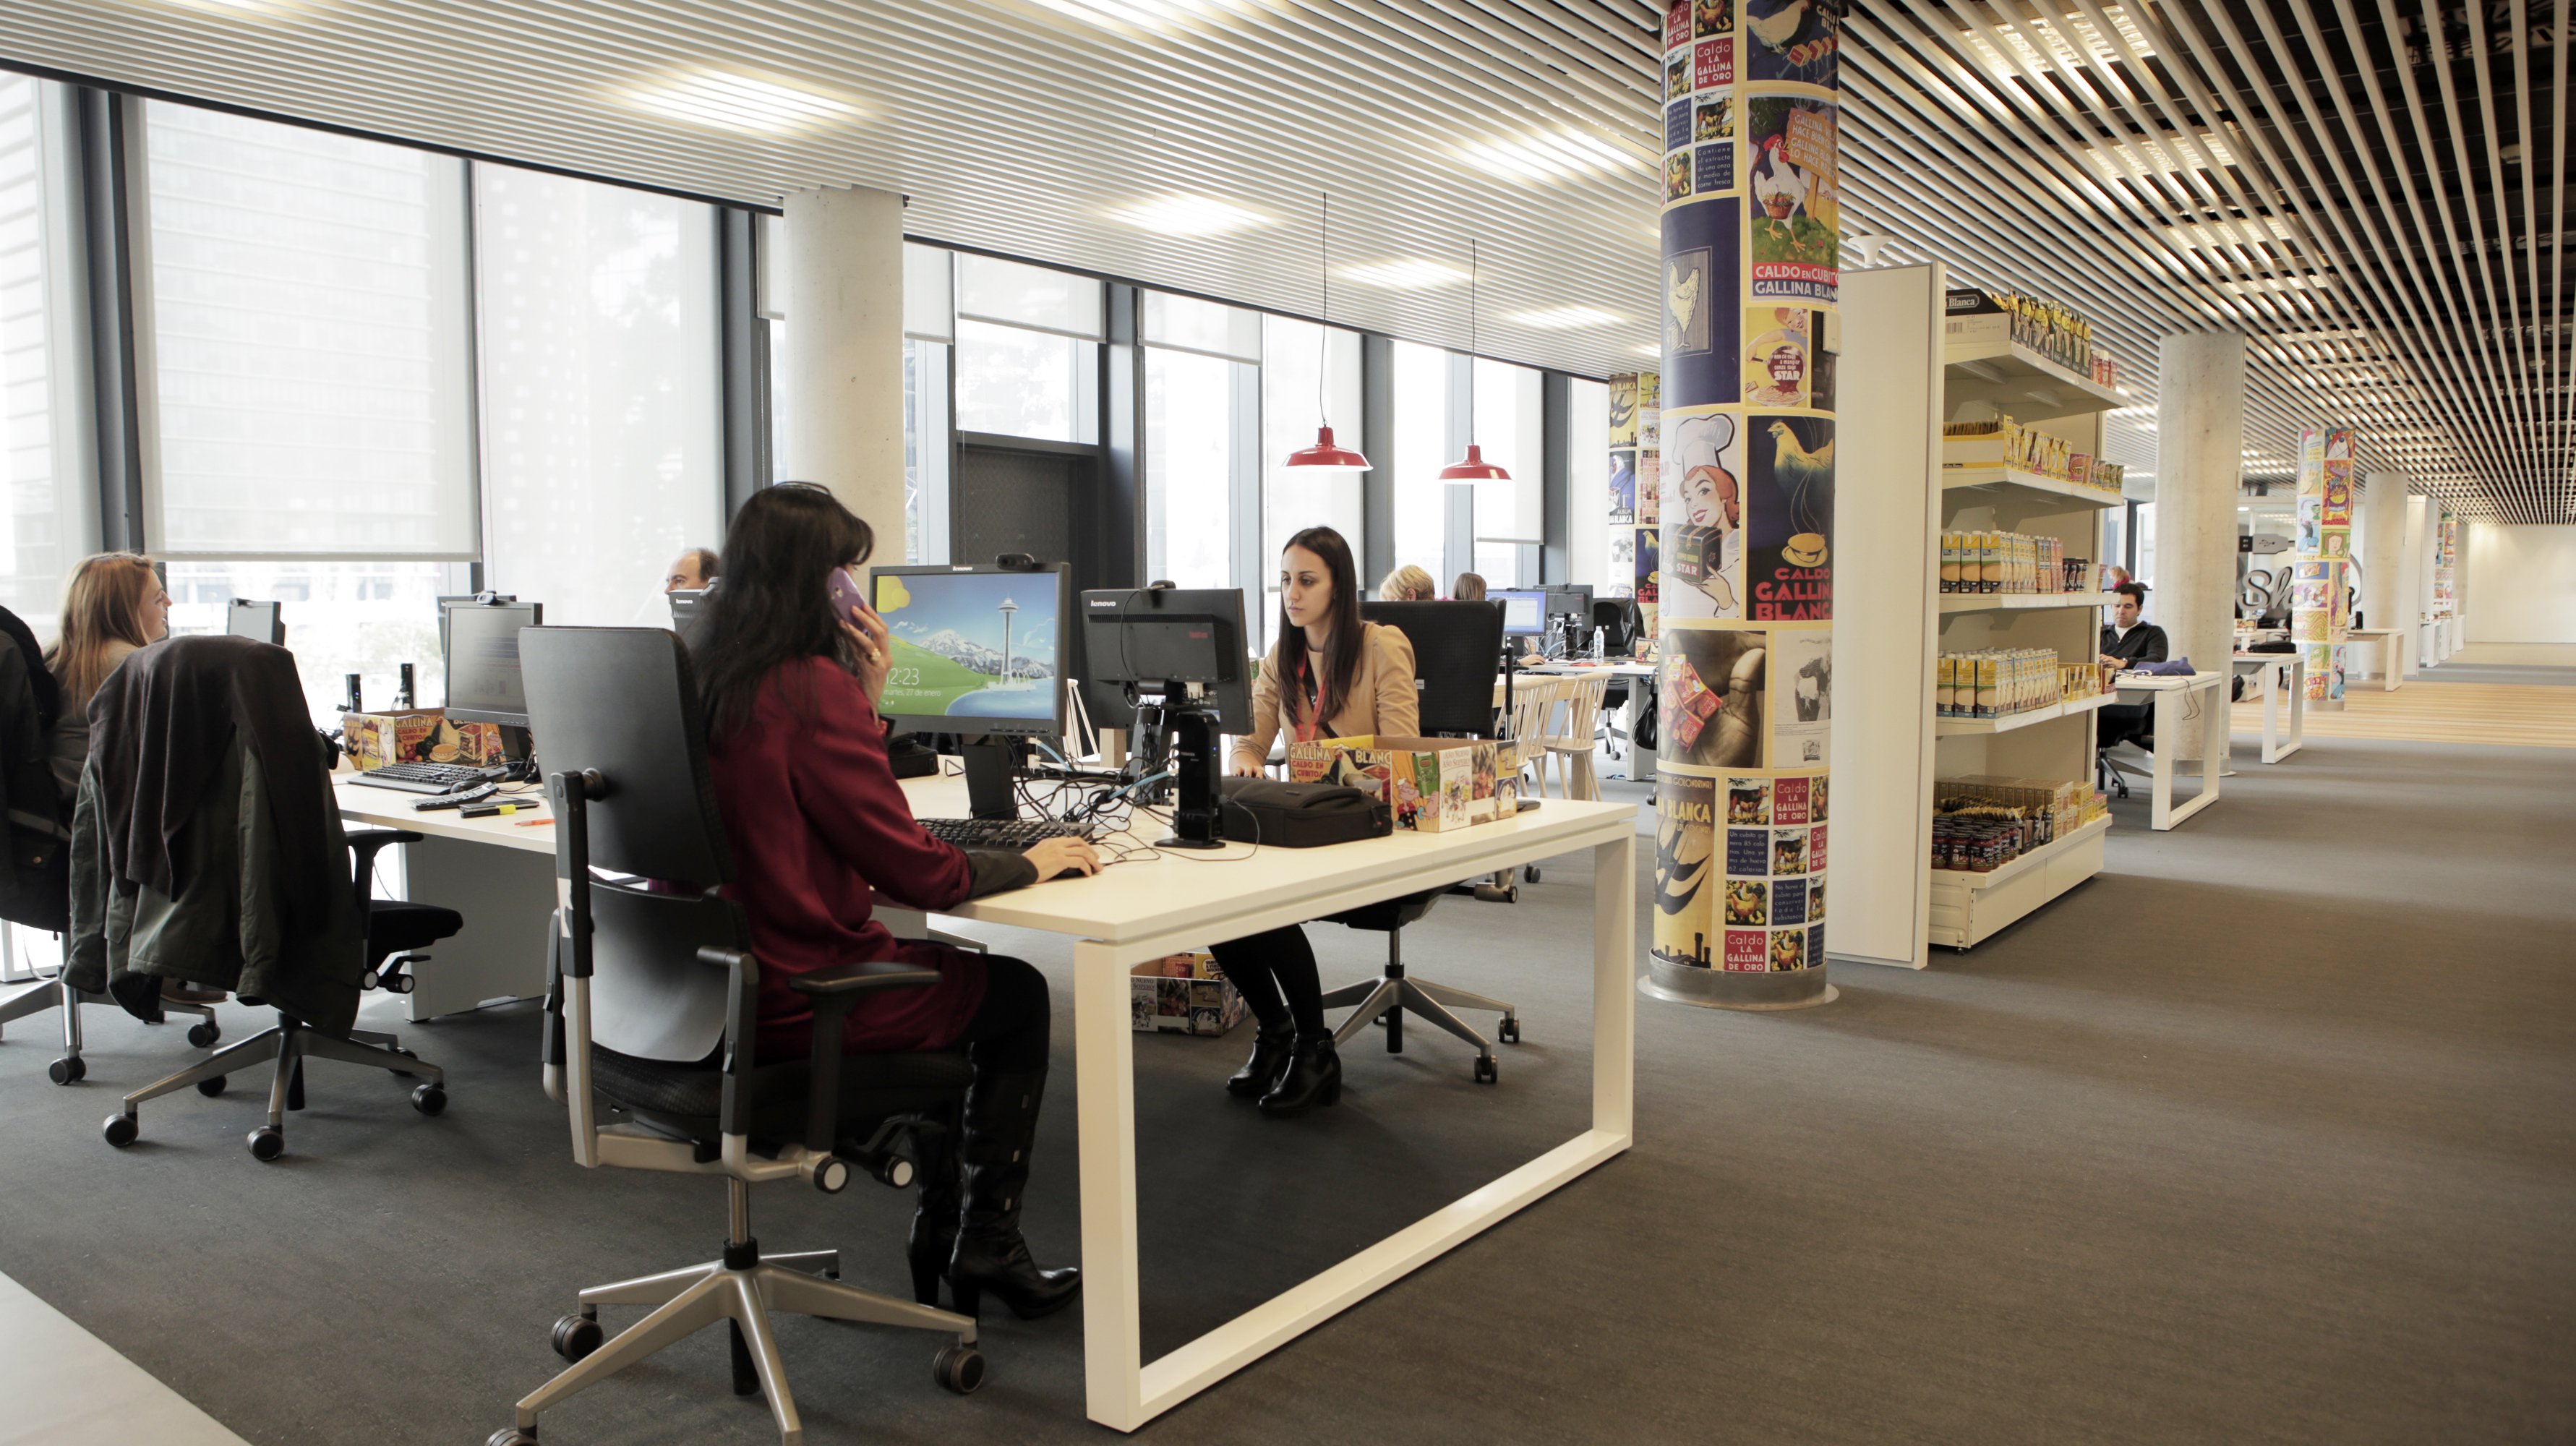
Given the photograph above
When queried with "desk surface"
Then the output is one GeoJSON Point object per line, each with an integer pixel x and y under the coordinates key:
{"type": "Point", "coordinates": [1584, 670]}
{"type": "Point", "coordinates": [392, 808]}
{"type": "Point", "coordinates": [2128, 684]}
{"type": "Point", "coordinates": [2282, 659]}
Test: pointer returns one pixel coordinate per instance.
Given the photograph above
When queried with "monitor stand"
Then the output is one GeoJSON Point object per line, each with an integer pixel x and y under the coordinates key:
{"type": "Point", "coordinates": [993, 767]}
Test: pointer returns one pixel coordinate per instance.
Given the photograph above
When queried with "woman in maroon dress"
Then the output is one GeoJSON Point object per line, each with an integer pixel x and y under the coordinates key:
{"type": "Point", "coordinates": [820, 829]}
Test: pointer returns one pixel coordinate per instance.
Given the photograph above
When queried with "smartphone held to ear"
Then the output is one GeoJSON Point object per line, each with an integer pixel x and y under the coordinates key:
{"type": "Point", "coordinates": [844, 594]}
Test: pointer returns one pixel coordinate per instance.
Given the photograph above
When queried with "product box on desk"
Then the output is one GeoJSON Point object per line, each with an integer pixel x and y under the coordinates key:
{"type": "Point", "coordinates": [1184, 994]}
{"type": "Point", "coordinates": [416, 735]}
{"type": "Point", "coordinates": [1431, 784]}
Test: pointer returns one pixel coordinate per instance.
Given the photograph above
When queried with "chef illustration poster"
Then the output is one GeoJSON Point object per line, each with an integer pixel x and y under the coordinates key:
{"type": "Point", "coordinates": [1704, 495]}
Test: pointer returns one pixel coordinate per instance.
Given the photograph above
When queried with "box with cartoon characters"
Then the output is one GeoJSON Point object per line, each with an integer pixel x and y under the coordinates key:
{"type": "Point", "coordinates": [1431, 784]}
{"type": "Point", "coordinates": [1183, 994]}
{"type": "Point", "coordinates": [416, 735]}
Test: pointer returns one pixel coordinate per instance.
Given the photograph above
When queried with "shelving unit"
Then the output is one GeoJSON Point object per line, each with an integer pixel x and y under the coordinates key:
{"type": "Point", "coordinates": [1895, 499]}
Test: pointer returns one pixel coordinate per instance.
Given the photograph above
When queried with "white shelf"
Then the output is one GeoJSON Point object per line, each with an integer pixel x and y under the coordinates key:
{"type": "Point", "coordinates": [1976, 602]}
{"type": "Point", "coordinates": [1955, 479]}
{"type": "Point", "coordinates": [2034, 861]}
{"type": "Point", "coordinates": [2020, 383]}
{"type": "Point", "coordinates": [2072, 707]}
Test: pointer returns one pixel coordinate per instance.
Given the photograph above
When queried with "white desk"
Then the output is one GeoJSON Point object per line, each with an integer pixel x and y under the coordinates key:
{"type": "Point", "coordinates": [2391, 655]}
{"type": "Point", "coordinates": [1637, 765]}
{"type": "Point", "coordinates": [500, 876]}
{"type": "Point", "coordinates": [1133, 912]}
{"type": "Point", "coordinates": [2169, 695]}
{"type": "Point", "coordinates": [2281, 675]}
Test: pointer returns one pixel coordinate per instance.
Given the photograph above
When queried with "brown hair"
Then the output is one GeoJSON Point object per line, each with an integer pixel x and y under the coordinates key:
{"type": "Point", "coordinates": [707, 561]}
{"type": "Point", "coordinates": [102, 604]}
{"type": "Point", "coordinates": [1350, 634]}
{"type": "Point", "coordinates": [1470, 587]}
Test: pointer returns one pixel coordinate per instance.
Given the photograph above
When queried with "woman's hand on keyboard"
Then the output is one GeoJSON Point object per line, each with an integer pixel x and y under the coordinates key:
{"type": "Point", "coordinates": [1063, 856]}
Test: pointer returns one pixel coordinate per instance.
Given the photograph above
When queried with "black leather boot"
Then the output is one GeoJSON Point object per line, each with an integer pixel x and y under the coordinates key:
{"type": "Point", "coordinates": [1313, 1077]}
{"type": "Point", "coordinates": [934, 1219]}
{"type": "Point", "coordinates": [1001, 1123]}
{"type": "Point", "coordinates": [1269, 1056]}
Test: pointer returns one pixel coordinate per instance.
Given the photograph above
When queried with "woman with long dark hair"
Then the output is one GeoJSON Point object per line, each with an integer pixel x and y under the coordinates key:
{"type": "Point", "coordinates": [1330, 675]}
{"type": "Point", "coordinates": [820, 830]}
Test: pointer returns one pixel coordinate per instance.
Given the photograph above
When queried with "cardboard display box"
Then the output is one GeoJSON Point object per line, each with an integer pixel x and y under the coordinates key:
{"type": "Point", "coordinates": [416, 735]}
{"type": "Point", "coordinates": [1184, 994]}
{"type": "Point", "coordinates": [1430, 784]}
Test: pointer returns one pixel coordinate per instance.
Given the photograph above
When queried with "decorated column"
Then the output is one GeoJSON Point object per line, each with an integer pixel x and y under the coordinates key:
{"type": "Point", "coordinates": [2320, 566]}
{"type": "Point", "coordinates": [1751, 222]}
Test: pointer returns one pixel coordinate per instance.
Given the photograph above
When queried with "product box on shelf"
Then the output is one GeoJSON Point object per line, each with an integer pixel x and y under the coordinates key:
{"type": "Point", "coordinates": [416, 735]}
{"type": "Point", "coordinates": [1972, 317]}
{"type": "Point", "coordinates": [1431, 784]}
{"type": "Point", "coordinates": [1967, 446]}
{"type": "Point", "coordinates": [1184, 994]}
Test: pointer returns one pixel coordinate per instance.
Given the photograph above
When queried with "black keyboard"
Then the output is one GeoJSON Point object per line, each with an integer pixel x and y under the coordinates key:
{"type": "Point", "coordinates": [427, 777]}
{"type": "Point", "coordinates": [1000, 833]}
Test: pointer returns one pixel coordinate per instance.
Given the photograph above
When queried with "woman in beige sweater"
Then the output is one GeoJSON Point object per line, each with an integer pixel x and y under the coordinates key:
{"type": "Point", "coordinates": [1330, 675]}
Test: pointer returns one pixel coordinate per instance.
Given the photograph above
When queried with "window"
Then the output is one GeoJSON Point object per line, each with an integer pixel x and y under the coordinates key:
{"type": "Point", "coordinates": [600, 391]}
{"type": "Point", "coordinates": [1295, 357]}
{"type": "Point", "coordinates": [925, 451]}
{"type": "Point", "coordinates": [306, 344]}
{"type": "Point", "coordinates": [2145, 543]}
{"type": "Point", "coordinates": [1421, 450]}
{"type": "Point", "coordinates": [367, 618]}
{"type": "Point", "coordinates": [1028, 350]}
{"type": "Point", "coordinates": [48, 507]}
{"type": "Point", "coordinates": [1509, 431]}
{"type": "Point", "coordinates": [1202, 441]}
{"type": "Point", "coordinates": [1587, 486]}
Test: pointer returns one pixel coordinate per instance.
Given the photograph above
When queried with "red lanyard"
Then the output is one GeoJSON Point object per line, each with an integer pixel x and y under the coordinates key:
{"type": "Point", "coordinates": [1311, 729]}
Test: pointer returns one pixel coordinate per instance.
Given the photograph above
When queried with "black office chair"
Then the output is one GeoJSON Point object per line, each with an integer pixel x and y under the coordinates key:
{"type": "Point", "coordinates": [1454, 646]}
{"type": "Point", "coordinates": [652, 1015]}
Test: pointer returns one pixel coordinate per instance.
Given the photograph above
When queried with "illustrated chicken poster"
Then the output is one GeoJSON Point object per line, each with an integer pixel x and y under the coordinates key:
{"type": "Point", "coordinates": [2320, 619]}
{"type": "Point", "coordinates": [1745, 497]}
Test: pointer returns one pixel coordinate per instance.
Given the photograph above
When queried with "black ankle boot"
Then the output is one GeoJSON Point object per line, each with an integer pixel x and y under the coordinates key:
{"type": "Point", "coordinates": [1313, 1077]}
{"type": "Point", "coordinates": [1001, 1123]}
{"type": "Point", "coordinates": [934, 1219]}
{"type": "Point", "coordinates": [1270, 1049]}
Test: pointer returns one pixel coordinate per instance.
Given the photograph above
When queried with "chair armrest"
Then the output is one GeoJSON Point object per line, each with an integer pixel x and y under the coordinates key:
{"type": "Point", "coordinates": [365, 844]}
{"type": "Point", "coordinates": [834, 991]}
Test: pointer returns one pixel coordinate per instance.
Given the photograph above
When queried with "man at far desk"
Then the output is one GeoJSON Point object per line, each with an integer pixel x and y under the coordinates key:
{"type": "Point", "coordinates": [2127, 642]}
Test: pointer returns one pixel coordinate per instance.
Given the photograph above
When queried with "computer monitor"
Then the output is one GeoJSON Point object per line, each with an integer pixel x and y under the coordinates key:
{"type": "Point", "coordinates": [255, 620]}
{"type": "Point", "coordinates": [1150, 637]}
{"type": "Point", "coordinates": [482, 648]}
{"type": "Point", "coordinates": [688, 609]}
{"type": "Point", "coordinates": [977, 650]}
{"type": "Point", "coordinates": [1524, 610]}
{"type": "Point", "coordinates": [1570, 600]}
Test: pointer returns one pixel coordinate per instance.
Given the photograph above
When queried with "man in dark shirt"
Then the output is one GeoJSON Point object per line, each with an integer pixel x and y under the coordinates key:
{"type": "Point", "coordinates": [2127, 642]}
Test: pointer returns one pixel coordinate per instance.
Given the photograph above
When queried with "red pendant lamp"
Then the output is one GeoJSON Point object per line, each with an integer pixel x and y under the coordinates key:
{"type": "Point", "coordinates": [1326, 455]}
{"type": "Point", "coordinates": [1473, 467]}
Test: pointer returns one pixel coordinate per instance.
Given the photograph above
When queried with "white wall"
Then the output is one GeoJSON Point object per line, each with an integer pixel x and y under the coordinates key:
{"type": "Point", "coordinates": [2523, 582]}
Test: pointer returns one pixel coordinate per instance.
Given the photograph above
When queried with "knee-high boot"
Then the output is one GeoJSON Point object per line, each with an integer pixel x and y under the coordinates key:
{"type": "Point", "coordinates": [1001, 1124]}
{"type": "Point", "coordinates": [934, 1219]}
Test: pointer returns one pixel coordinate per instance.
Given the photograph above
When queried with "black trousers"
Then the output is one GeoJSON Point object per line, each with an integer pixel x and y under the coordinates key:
{"type": "Point", "coordinates": [2122, 722]}
{"type": "Point", "coordinates": [1009, 1031]}
{"type": "Point", "coordinates": [1276, 973]}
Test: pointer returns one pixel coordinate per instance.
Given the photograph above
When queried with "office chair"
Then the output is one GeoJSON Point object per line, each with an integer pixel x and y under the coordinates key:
{"type": "Point", "coordinates": [57, 993]}
{"type": "Point", "coordinates": [652, 1015]}
{"type": "Point", "coordinates": [1616, 617]}
{"type": "Point", "coordinates": [1454, 647]}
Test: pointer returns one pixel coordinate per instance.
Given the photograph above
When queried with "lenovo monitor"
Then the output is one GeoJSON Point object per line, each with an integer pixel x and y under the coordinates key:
{"type": "Point", "coordinates": [1151, 637]}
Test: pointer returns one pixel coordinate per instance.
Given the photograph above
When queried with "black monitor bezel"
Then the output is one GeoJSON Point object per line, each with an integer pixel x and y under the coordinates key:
{"type": "Point", "coordinates": [1105, 698]}
{"type": "Point", "coordinates": [968, 727]}
{"type": "Point", "coordinates": [447, 659]}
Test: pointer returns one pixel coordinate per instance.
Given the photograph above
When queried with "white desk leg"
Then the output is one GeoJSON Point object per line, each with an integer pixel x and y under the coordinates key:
{"type": "Point", "coordinates": [2168, 742]}
{"type": "Point", "coordinates": [2394, 655]}
{"type": "Point", "coordinates": [2213, 748]}
{"type": "Point", "coordinates": [2271, 713]}
{"type": "Point", "coordinates": [507, 897]}
{"type": "Point", "coordinates": [1614, 998]}
{"type": "Point", "coordinates": [1104, 1075]}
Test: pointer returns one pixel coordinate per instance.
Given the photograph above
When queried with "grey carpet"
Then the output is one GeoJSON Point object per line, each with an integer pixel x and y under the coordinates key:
{"type": "Point", "coordinates": [2269, 1133]}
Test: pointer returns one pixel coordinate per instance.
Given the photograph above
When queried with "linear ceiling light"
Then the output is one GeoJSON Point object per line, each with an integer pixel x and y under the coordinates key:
{"type": "Point", "coordinates": [2070, 42]}
{"type": "Point", "coordinates": [1148, 14]}
{"type": "Point", "coordinates": [1566, 318]}
{"type": "Point", "coordinates": [740, 103]}
{"type": "Point", "coordinates": [1406, 275]}
{"type": "Point", "coordinates": [1550, 156]}
{"type": "Point", "coordinates": [2122, 160]}
{"type": "Point", "coordinates": [1188, 216]}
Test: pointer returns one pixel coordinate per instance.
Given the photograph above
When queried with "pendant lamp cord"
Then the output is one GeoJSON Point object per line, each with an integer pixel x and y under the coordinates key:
{"type": "Point", "coordinates": [1323, 333]}
{"type": "Point", "coordinates": [1471, 297]}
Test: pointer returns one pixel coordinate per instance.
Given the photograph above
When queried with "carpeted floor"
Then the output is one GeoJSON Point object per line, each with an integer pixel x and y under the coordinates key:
{"type": "Point", "coordinates": [2269, 1133]}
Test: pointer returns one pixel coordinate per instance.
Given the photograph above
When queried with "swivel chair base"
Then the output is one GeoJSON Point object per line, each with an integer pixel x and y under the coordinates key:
{"type": "Point", "coordinates": [55, 994]}
{"type": "Point", "coordinates": [1390, 996]}
{"type": "Point", "coordinates": [289, 1042]}
{"type": "Point", "coordinates": [742, 1289]}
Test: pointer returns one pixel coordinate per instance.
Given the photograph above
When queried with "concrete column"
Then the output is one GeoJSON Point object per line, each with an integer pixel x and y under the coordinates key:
{"type": "Point", "coordinates": [842, 390]}
{"type": "Point", "coordinates": [2383, 553]}
{"type": "Point", "coordinates": [2200, 455]}
{"type": "Point", "coordinates": [1744, 611]}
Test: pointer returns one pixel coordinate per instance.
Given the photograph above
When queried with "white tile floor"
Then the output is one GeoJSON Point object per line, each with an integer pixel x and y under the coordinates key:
{"type": "Point", "coordinates": [64, 1387]}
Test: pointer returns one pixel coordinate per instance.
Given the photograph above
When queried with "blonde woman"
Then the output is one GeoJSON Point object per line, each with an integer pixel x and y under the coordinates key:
{"type": "Point", "coordinates": [1408, 584]}
{"type": "Point", "coordinates": [112, 605]}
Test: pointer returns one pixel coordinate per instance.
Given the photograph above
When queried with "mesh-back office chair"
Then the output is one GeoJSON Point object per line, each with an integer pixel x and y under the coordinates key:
{"type": "Point", "coordinates": [1618, 620]}
{"type": "Point", "coordinates": [1454, 647]}
{"type": "Point", "coordinates": [652, 1015]}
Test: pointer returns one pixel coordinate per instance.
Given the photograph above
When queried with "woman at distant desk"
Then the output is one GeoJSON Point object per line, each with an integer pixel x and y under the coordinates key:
{"type": "Point", "coordinates": [1329, 676]}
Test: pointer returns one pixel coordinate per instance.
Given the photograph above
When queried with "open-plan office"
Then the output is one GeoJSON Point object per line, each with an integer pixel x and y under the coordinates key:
{"type": "Point", "coordinates": [998, 719]}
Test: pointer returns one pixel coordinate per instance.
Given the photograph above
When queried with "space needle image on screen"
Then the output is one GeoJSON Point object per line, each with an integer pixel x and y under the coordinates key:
{"type": "Point", "coordinates": [973, 645]}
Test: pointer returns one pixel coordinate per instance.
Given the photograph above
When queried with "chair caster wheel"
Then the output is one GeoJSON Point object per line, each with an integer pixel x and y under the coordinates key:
{"type": "Point", "coordinates": [70, 1069]}
{"type": "Point", "coordinates": [266, 1144]}
{"type": "Point", "coordinates": [121, 1130]}
{"type": "Point", "coordinates": [1510, 1032]}
{"type": "Point", "coordinates": [511, 1436]}
{"type": "Point", "coordinates": [1487, 1071]}
{"type": "Point", "coordinates": [204, 1035]}
{"type": "Point", "coordinates": [212, 1087]}
{"type": "Point", "coordinates": [576, 1336]}
{"type": "Point", "coordinates": [1529, 875]}
{"type": "Point", "coordinates": [960, 1369]}
{"type": "Point", "coordinates": [429, 1099]}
